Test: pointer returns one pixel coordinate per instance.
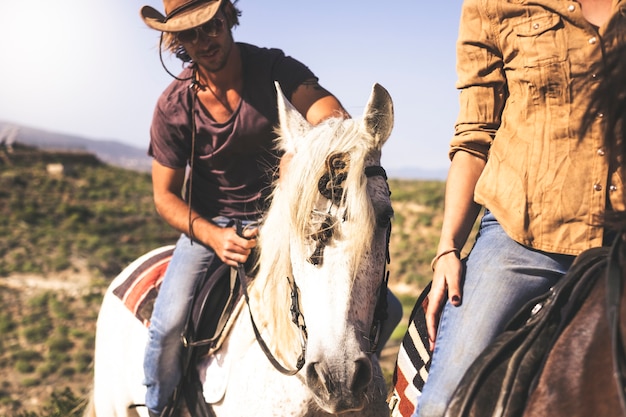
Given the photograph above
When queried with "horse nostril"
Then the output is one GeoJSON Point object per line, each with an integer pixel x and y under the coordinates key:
{"type": "Point", "coordinates": [315, 379]}
{"type": "Point", "coordinates": [362, 375]}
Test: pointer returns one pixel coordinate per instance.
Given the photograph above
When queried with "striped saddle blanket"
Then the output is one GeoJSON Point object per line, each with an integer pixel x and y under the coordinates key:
{"type": "Point", "coordinates": [413, 363]}
{"type": "Point", "coordinates": [139, 290]}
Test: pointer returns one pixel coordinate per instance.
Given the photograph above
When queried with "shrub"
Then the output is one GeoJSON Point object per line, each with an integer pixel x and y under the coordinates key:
{"type": "Point", "coordinates": [7, 325]}
{"type": "Point", "coordinates": [59, 343]}
{"type": "Point", "coordinates": [24, 367]}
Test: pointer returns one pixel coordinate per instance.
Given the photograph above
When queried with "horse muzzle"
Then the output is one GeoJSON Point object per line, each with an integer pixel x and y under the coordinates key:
{"type": "Point", "coordinates": [339, 386]}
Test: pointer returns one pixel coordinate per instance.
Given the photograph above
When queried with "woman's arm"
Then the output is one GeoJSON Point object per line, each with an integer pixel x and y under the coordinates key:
{"type": "Point", "coordinates": [459, 216]}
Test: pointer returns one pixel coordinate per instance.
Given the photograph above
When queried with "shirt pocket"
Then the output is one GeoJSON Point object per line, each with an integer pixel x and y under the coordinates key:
{"type": "Point", "coordinates": [540, 39]}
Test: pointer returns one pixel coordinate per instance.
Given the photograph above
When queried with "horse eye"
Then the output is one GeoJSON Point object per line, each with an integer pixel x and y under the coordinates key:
{"type": "Point", "coordinates": [383, 219]}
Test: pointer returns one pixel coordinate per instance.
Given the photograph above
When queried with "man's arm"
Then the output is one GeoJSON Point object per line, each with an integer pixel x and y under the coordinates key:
{"type": "Point", "coordinates": [167, 185]}
{"type": "Point", "coordinates": [315, 103]}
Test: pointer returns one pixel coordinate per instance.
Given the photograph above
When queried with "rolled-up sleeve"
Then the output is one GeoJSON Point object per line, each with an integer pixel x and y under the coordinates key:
{"type": "Point", "coordinates": [481, 82]}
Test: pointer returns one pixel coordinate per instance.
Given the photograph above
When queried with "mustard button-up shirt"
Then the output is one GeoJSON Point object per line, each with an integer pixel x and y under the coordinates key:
{"type": "Point", "coordinates": [526, 73]}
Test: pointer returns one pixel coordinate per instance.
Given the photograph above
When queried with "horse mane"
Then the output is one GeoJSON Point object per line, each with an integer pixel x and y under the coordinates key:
{"type": "Point", "coordinates": [289, 219]}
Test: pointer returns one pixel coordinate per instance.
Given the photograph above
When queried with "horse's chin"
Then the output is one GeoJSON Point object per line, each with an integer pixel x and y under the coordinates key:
{"type": "Point", "coordinates": [338, 406]}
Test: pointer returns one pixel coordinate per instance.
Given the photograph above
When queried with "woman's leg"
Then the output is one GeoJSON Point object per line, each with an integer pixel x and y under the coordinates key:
{"type": "Point", "coordinates": [501, 276]}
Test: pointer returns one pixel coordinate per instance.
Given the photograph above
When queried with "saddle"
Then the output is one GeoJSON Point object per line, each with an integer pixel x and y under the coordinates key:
{"type": "Point", "coordinates": [213, 305]}
{"type": "Point", "coordinates": [215, 300]}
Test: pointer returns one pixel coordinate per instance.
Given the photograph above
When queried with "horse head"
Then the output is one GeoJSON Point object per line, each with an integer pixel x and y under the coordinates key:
{"type": "Point", "coordinates": [324, 240]}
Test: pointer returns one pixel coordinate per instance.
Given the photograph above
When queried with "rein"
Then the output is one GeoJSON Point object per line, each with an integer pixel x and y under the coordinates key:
{"type": "Point", "coordinates": [380, 313]}
{"type": "Point", "coordinates": [295, 313]}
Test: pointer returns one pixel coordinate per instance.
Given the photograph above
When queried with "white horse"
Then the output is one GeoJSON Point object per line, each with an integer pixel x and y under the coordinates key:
{"type": "Point", "coordinates": [326, 234]}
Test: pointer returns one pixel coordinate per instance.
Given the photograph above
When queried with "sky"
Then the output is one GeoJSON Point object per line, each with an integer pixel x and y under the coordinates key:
{"type": "Point", "coordinates": [91, 68]}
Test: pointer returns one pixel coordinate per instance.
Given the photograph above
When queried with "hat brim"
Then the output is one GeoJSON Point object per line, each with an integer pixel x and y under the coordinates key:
{"type": "Point", "coordinates": [187, 19]}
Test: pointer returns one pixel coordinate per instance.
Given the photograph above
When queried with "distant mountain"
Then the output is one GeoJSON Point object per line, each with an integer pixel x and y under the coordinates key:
{"type": "Point", "coordinates": [130, 157]}
{"type": "Point", "coordinates": [411, 173]}
{"type": "Point", "coordinates": [108, 151]}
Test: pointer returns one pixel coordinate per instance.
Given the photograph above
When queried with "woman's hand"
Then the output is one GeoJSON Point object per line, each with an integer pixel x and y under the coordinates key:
{"type": "Point", "coordinates": [446, 285]}
{"type": "Point", "coordinates": [459, 216]}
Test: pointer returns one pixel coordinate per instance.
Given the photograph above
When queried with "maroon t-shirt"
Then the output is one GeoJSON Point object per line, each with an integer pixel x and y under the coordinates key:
{"type": "Point", "coordinates": [234, 161]}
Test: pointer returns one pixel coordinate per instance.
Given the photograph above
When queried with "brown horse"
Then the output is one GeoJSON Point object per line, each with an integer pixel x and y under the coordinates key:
{"type": "Point", "coordinates": [580, 375]}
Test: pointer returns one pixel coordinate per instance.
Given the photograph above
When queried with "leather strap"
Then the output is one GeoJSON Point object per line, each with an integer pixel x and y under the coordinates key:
{"type": "Point", "coordinates": [244, 285]}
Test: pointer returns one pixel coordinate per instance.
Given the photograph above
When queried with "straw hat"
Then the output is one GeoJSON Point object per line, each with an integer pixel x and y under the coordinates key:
{"type": "Point", "coordinates": [180, 14]}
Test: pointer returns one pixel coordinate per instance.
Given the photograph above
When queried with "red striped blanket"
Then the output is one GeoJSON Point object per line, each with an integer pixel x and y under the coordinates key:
{"type": "Point", "coordinates": [413, 362]}
{"type": "Point", "coordinates": [139, 290]}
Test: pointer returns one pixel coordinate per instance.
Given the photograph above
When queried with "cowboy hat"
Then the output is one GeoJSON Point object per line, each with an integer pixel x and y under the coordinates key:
{"type": "Point", "coordinates": [180, 14]}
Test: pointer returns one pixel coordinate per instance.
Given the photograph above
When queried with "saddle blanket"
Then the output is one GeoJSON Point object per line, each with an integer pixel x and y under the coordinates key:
{"type": "Point", "coordinates": [413, 362]}
{"type": "Point", "coordinates": [139, 290]}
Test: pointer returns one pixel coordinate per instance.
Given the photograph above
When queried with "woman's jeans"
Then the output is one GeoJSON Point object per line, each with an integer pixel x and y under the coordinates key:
{"type": "Point", "coordinates": [163, 356]}
{"type": "Point", "coordinates": [501, 277]}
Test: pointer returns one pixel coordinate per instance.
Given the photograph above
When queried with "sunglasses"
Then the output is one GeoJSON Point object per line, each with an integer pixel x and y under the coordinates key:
{"type": "Point", "coordinates": [212, 28]}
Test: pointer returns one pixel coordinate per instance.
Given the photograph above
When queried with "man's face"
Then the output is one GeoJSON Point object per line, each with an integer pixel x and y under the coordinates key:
{"type": "Point", "coordinates": [208, 45]}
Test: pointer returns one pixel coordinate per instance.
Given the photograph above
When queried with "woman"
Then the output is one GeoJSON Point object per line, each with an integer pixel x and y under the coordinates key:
{"type": "Point", "coordinates": [525, 73]}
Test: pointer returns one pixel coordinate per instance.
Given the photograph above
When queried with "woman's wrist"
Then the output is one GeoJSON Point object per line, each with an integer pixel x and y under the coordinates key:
{"type": "Point", "coordinates": [433, 263]}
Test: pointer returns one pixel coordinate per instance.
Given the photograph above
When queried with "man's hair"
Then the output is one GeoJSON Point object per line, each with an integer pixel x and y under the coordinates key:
{"type": "Point", "coordinates": [170, 43]}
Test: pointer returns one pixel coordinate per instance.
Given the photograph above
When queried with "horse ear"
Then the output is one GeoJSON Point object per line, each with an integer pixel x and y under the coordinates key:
{"type": "Point", "coordinates": [292, 124]}
{"type": "Point", "coordinates": [378, 117]}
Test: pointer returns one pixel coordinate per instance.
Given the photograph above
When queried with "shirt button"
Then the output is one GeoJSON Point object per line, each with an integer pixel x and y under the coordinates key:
{"type": "Point", "coordinates": [601, 152]}
{"type": "Point", "coordinates": [536, 26]}
{"type": "Point", "coordinates": [597, 187]}
{"type": "Point", "coordinates": [571, 8]}
{"type": "Point", "coordinates": [593, 40]}
{"type": "Point", "coordinates": [613, 188]}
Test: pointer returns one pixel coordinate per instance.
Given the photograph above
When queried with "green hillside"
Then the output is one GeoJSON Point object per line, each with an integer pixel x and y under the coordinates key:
{"type": "Point", "coordinates": [91, 214]}
{"type": "Point", "coordinates": [70, 224]}
{"type": "Point", "coordinates": [100, 217]}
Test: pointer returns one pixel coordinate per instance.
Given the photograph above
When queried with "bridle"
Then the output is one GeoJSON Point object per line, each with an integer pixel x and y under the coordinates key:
{"type": "Point", "coordinates": [380, 312]}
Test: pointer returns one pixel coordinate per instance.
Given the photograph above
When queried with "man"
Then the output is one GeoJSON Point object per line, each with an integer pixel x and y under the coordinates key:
{"type": "Point", "coordinates": [216, 119]}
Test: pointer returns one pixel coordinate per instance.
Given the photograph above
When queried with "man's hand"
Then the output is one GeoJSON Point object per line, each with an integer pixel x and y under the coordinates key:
{"type": "Point", "coordinates": [232, 248]}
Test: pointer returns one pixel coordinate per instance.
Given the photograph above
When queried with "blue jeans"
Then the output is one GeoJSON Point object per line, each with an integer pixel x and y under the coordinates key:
{"type": "Point", "coordinates": [163, 355]}
{"type": "Point", "coordinates": [500, 277]}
